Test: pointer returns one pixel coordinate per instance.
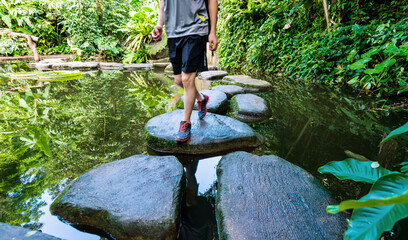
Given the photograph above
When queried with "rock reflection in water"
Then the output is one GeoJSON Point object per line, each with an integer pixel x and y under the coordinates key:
{"type": "Point", "coordinates": [197, 214]}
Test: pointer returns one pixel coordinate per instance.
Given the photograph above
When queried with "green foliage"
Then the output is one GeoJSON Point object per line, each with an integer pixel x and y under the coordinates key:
{"type": "Point", "coordinates": [384, 205]}
{"type": "Point", "coordinates": [366, 48]}
{"type": "Point", "coordinates": [13, 47]}
{"type": "Point", "coordinates": [138, 30]}
{"type": "Point", "coordinates": [360, 171]}
{"type": "Point", "coordinates": [93, 26]}
{"type": "Point", "coordinates": [395, 133]}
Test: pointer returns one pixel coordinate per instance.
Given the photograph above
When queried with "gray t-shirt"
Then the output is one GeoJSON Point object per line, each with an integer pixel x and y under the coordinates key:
{"type": "Point", "coordinates": [185, 17]}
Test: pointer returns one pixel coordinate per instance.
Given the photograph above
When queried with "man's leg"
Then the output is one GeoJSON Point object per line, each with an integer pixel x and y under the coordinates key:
{"type": "Point", "coordinates": [190, 94]}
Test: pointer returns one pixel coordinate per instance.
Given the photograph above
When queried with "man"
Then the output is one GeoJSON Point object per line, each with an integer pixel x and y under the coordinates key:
{"type": "Point", "coordinates": [188, 30]}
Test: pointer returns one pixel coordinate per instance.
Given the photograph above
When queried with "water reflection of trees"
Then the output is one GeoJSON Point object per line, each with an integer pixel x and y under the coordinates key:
{"type": "Point", "coordinates": [60, 131]}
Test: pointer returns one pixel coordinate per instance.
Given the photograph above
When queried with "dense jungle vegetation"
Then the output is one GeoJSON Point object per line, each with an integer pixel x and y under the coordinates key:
{"type": "Point", "coordinates": [361, 43]}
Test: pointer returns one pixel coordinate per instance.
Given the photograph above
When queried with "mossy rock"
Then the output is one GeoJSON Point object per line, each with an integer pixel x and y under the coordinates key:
{"type": "Point", "coordinates": [210, 136]}
{"type": "Point", "coordinates": [248, 83]}
{"type": "Point", "coordinates": [249, 108]}
{"type": "Point", "coordinates": [277, 199]}
{"type": "Point", "coordinates": [134, 198]}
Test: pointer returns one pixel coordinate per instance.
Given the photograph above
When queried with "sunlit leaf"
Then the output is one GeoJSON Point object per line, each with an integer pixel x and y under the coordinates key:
{"type": "Point", "coordinates": [370, 222]}
{"type": "Point", "coordinates": [372, 71]}
{"type": "Point", "coordinates": [351, 169]}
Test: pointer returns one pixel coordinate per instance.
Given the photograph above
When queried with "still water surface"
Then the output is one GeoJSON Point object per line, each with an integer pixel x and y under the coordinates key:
{"type": "Point", "coordinates": [54, 132]}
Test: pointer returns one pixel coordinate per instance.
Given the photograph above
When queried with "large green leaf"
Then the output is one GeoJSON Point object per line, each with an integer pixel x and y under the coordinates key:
{"type": "Point", "coordinates": [395, 133]}
{"type": "Point", "coordinates": [388, 190]}
{"type": "Point", "coordinates": [370, 222]}
{"type": "Point", "coordinates": [360, 171]}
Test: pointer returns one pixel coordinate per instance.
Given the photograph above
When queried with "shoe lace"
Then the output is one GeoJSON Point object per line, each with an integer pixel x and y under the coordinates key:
{"type": "Point", "coordinates": [183, 127]}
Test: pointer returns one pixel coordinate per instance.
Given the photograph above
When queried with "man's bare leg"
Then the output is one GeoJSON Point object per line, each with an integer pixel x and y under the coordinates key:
{"type": "Point", "coordinates": [190, 94]}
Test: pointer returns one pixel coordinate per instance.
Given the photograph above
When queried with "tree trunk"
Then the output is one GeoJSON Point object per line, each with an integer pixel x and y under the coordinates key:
{"type": "Point", "coordinates": [326, 13]}
{"type": "Point", "coordinates": [30, 40]}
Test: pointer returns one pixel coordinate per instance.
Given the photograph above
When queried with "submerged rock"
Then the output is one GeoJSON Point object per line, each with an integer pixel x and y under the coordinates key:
{"type": "Point", "coordinates": [212, 75]}
{"type": "Point", "coordinates": [277, 199]}
{"type": "Point", "coordinates": [75, 65]}
{"type": "Point", "coordinates": [250, 108]}
{"type": "Point", "coordinates": [217, 103]}
{"type": "Point", "coordinates": [212, 135]}
{"type": "Point", "coordinates": [9, 232]}
{"type": "Point", "coordinates": [249, 83]}
{"type": "Point", "coordinates": [134, 198]}
{"type": "Point", "coordinates": [230, 90]}
{"type": "Point", "coordinates": [138, 66]}
{"type": "Point", "coordinates": [110, 66]}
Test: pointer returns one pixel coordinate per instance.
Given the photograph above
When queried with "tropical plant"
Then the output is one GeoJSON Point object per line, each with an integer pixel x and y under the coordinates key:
{"type": "Point", "coordinates": [138, 31]}
{"type": "Point", "coordinates": [292, 39]}
{"type": "Point", "coordinates": [384, 205]}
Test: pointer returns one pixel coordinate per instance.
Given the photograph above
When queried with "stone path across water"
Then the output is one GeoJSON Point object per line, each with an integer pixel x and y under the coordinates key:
{"type": "Point", "coordinates": [213, 135]}
{"type": "Point", "coordinates": [134, 198]}
{"type": "Point", "coordinates": [269, 198]}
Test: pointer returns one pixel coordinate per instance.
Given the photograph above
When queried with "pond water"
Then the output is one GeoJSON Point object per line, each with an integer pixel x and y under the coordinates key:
{"type": "Point", "coordinates": [52, 132]}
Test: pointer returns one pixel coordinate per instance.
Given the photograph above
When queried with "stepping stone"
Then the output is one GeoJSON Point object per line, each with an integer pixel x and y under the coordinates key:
{"type": "Point", "coordinates": [215, 134]}
{"type": "Point", "coordinates": [9, 232]}
{"type": "Point", "coordinates": [269, 198]}
{"type": "Point", "coordinates": [160, 64]}
{"type": "Point", "coordinates": [212, 75]}
{"type": "Point", "coordinates": [138, 66]}
{"type": "Point", "coordinates": [230, 90]}
{"type": "Point", "coordinates": [218, 102]}
{"type": "Point", "coordinates": [249, 108]}
{"type": "Point", "coordinates": [249, 83]}
{"type": "Point", "coordinates": [75, 65]}
{"type": "Point", "coordinates": [134, 198]}
{"type": "Point", "coordinates": [110, 66]}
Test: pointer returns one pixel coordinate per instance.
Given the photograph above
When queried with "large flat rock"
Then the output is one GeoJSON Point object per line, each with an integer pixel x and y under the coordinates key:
{"type": "Point", "coordinates": [250, 108]}
{"type": "Point", "coordinates": [217, 103]}
{"type": "Point", "coordinates": [230, 90]}
{"type": "Point", "coordinates": [134, 198]}
{"type": "Point", "coordinates": [8, 232]}
{"type": "Point", "coordinates": [75, 65]}
{"type": "Point", "coordinates": [212, 135]}
{"type": "Point", "coordinates": [212, 75]}
{"type": "Point", "coordinates": [138, 66]}
{"type": "Point", "coordinates": [249, 83]}
{"type": "Point", "coordinates": [269, 198]}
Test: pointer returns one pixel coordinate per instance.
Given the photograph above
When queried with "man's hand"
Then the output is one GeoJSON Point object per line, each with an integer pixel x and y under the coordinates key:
{"type": "Point", "coordinates": [212, 39]}
{"type": "Point", "coordinates": [157, 32]}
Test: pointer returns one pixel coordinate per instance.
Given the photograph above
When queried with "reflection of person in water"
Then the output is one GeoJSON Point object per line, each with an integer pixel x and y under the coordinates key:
{"type": "Point", "coordinates": [197, 215]}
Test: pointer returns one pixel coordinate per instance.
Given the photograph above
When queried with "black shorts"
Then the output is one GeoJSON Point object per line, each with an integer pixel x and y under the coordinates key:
{"type": "Point", "coordinates": [188, 54]}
